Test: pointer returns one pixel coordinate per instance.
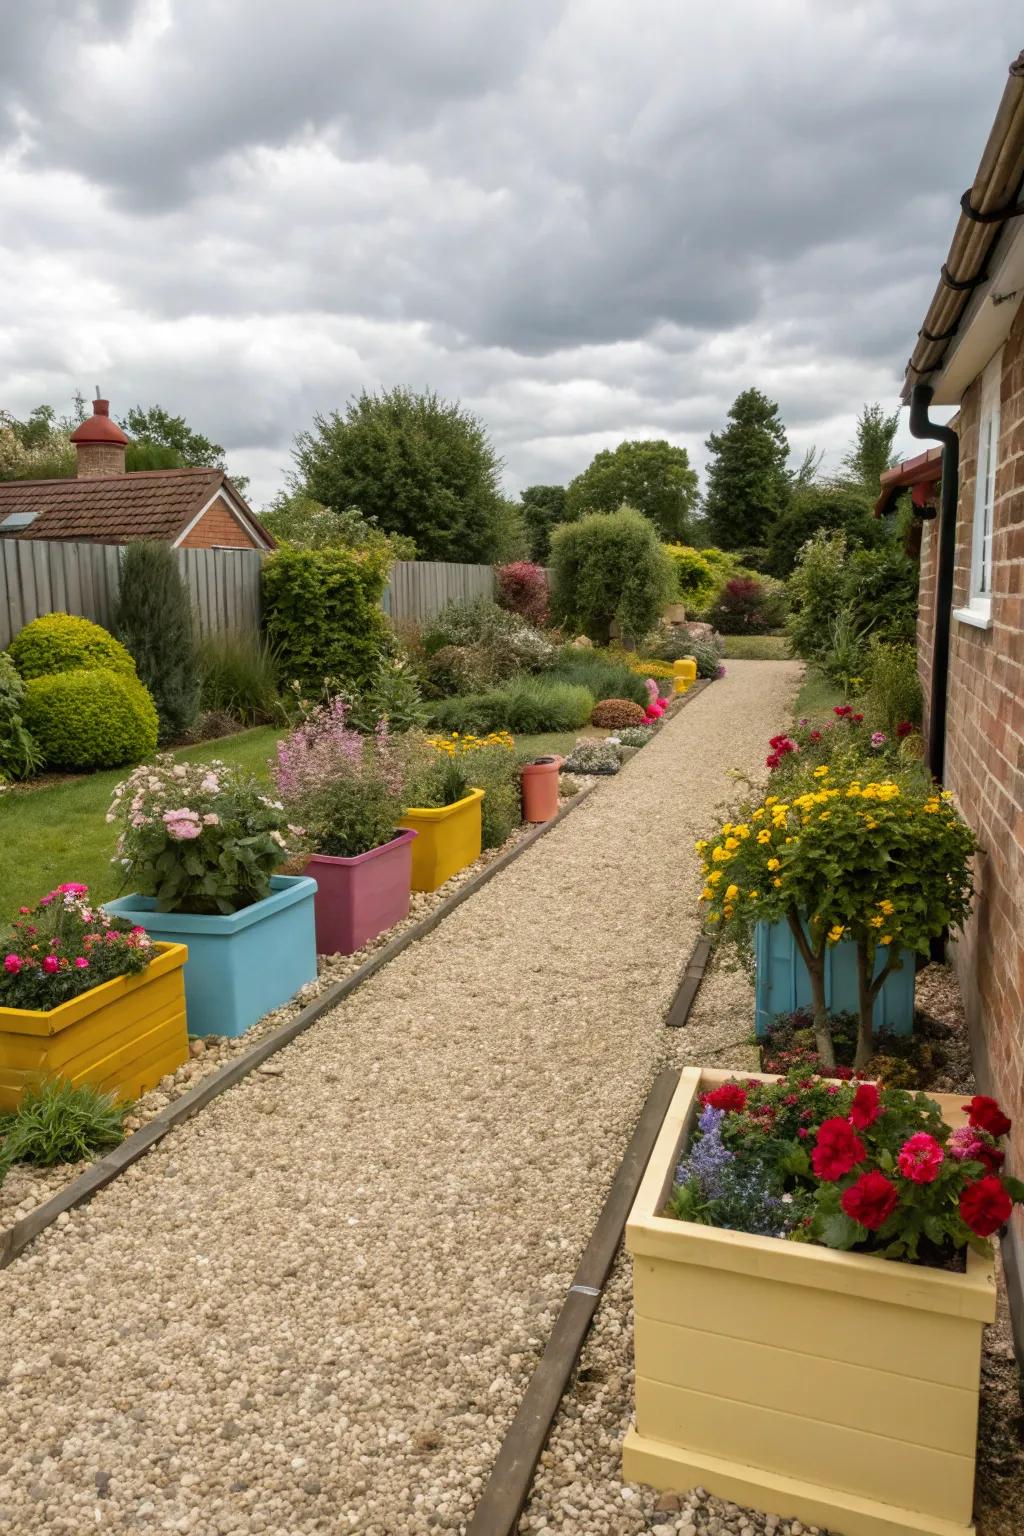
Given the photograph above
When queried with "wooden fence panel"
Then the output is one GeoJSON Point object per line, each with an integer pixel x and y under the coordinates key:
{"type": "Point", "coordinates": [418, 589]}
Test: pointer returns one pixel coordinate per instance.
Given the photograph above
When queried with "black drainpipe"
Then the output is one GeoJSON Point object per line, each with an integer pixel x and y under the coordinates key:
{"type": "Point", "coordinates": [921, 427]}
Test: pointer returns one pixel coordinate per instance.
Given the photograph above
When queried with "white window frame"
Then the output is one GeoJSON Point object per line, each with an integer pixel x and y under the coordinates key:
{"type": "Point", "coordinates": [979, 604]}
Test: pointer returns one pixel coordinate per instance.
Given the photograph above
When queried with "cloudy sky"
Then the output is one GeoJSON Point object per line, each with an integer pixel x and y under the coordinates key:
{"type": "Point", "coordinates": [587, 219]}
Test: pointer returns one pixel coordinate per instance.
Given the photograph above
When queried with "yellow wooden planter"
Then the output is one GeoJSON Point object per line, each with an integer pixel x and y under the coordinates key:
{"type": "Point", "coordinates": [449, 839]}
{"type": "Point", "coordinates": [832, 1387]}
{"type": "Point", "coordinates": [121, 1037]}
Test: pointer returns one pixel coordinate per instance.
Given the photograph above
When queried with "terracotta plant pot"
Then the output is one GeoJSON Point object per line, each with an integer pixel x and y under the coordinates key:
{"type": "Point", "coordinates": [358, 898]}
{"type": "Point", "coordinates": [540, 788]}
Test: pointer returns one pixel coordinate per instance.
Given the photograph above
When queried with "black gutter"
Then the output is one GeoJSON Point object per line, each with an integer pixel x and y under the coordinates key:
{"type": "Point", "coordinates": [930, 431]}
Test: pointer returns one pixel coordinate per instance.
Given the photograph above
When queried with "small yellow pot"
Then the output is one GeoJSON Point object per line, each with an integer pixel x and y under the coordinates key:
{"type": "Point", "coordinates": [449, 839]}
{"type": "Point", "coordinates": [684, 674]}
{"type": "Point", "coordinates": [122, 1036]}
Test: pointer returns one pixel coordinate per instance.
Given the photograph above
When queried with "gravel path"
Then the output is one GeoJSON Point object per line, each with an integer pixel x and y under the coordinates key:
{"type": "Point", "coordinates": [314, 1308]}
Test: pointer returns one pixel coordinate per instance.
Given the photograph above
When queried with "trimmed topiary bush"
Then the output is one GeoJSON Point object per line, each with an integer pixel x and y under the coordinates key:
{"type": "Point", "coordinates": [610, 569]}
{"type": "Point", "coordinates": [63, 642]}
{"type": "Point", "coordinates": [154, 620]}
{"type": "Point", "coordinates": [611, 714]}
{"type": "Point", "coordinates": [90, 719]}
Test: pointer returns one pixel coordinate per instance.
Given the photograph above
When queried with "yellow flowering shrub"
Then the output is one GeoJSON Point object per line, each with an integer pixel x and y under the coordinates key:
{"type": "Point", "coordinates": [885, 864]}
{"type": "Point", "coordinates": [460, 742]}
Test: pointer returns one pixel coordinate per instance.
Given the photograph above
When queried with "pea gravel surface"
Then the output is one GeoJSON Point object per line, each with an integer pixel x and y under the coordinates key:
{"type": "Point", "coordinates": [315, 1307]}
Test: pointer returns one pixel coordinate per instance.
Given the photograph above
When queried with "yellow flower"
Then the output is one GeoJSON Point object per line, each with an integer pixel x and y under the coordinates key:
{"type": "Point", "coordinates": [876, 922]}
{"type": "Point", "coordinates": [773, 863]}
{"type": "Point", "coordinates": [714, 877]}
{"type": "Point", "coordinates": [707, 893]}
{"type": "Point", "coordinates": [758, 814]}
{"type": "Point", "coordinates": [886, 907]}
{"type": "Point", "coordinates": [732, 843]}
{"type": "Point", "coordinates": [731, 892]}
{"type": "Point", "coordinates": [764, 836]}
{"type": "Point", "coordinates": [820, 773]}
{"type": "Point", "coordinates": [754, 895]}
{"type": "Point", "coordinates": [727, 827]}
{"type": "Point", "coordinates": [771, 800]}
{"type": "Point", "coordinates": [836, 932]}
{"type": "Point", "coordinates": [701, 844]}
{"type": "Point", "coordinates": [728, 910]}
{"type": "Point", "coordinates": [776, 882]}
{"type": "Point", "coordinates": [885, 938]}
{"type": "Point", "coordinates": [720, 856]}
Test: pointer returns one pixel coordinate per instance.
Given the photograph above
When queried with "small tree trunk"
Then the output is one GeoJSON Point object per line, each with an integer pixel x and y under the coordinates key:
{"type": "Point", "coordinates": [866, 995]}
{"type": "Point", "coordinates": [814, 960]}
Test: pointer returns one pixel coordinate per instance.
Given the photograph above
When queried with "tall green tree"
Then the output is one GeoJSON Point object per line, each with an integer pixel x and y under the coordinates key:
{"type": "Point", "coordinates": [415, 465]}
{"type": "Point", "coordinates": [154, 620]}
{"type": "Point", "coordinates": [543, 510]}
{"type": "Point", "coordinates": [651, 475]}
{"type": "Point", "coordinates": [162, 441]}
{"type": "Point", "coordinates": [833, 505]}
{"type": "Point", "coordinates": [871, 454]}
{"type": "Point", "coordinates": [747, 483]}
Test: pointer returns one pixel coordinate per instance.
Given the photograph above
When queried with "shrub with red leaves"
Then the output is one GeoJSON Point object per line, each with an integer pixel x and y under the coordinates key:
{"type": "Point", "coordinates": [523, 589]}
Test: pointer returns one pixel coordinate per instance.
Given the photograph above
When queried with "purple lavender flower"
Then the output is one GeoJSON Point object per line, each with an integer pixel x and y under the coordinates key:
{"type": "Point", "coordinates": [708, 1157]}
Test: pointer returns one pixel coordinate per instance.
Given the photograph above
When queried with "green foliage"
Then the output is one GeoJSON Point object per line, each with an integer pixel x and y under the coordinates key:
{"type": "Point", "coordinates": [437, 779]}
{"type": "Point", "coordinates": [892, 694]}
{"type": "Point", "coordinates": [295, 518]}
{"type": "Point", "coordinates": [38, 448]}
{"type": "Point", "coordinates": [322, 616]}
{"type": "Point", "coordinates": [593, 757]}
{"type": "Point", "coordinates": [392, 694]}
{"type": "Point", "coordinates": [240, 677]}
{"type": "Point", "coordinates": [154, 621]}
{"type": "Point", "coordinates": [19, 754]}
{"type": "Point", "coordinates": [90, 719]}
{"type": "Point", "coordinates": [64, 946]}
{"type": "Point", "coordinates": [708, 656]}
{"type": "Point", "coordinates": [61, 642]}
{"type": "Point", "coordinates": [634, 735]}
{"type": "Point", "coordinates": [816, 593]}
{"type": "Point", "coordinates": [511, 540]}
{"type": "Point", "coordinates": [747, 483]}
{"type": "Point", "coordinates": [525, 705]}
{"type": "Point", "coordinates": [652, 476]}
{"type": "Point", "coordinates": [602, 674]}
{"type": "Point", "coordinates": [543, 510]}
{"type": "Point", "coordinates": [495, 770]}
{"type": "Point", "coordinates": [173, 433]}
{"type": "Point", "coordinates": [871, 454]}
{"type": "Point", "coordinates": [881, 592]}
{"type": "Point", "coordinates": [697, 578]}
{"type": "Point", "coordinates": [832, 505]}
{"type": "Point", "coordinates": [504, 641]}
{"type": "Point", "coordinates": [610, 568]}
{"type": "Point", "coordinates": [413, 464]}
{"type": "Point", "coordinates": [56, 1122]}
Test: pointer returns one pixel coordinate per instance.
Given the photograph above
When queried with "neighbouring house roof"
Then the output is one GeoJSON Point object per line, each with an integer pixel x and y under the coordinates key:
{"type": "Point", "coordinates": [985, 264]}
{"type": "Point", "coordinates": [921, 474]}
{"type": "Point", "coordinates": [114, 509]}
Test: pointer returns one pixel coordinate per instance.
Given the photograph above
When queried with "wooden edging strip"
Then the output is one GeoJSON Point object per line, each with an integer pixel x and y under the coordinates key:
{"type": "Point", "coordinates": [508, 1487]}
{"type": "Point", "coordinates": [679, 1008]}
{"type": "Point", "coordinates": [17, 1237]}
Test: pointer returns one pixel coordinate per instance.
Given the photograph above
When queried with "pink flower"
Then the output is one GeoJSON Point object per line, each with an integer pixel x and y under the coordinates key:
{"type": "Point", "coordinates": [138, 931]}
{"type": "Point", "coordinates": [72, 889]}
{"type": "Point", "coordinates": [12, 964]}
{"type": "Point", "coordinates": [24, 911]}
{"type": "Point", "coordinates": [878, 738]}
{"type": "Point", "coordinates": [920, 1158]}
{"type": "Point", "coordinates": [51, 964]}
{"type": "Point", "coordinates": [81, 963]}
{"type": "Point", "coordinates": [183, 825]}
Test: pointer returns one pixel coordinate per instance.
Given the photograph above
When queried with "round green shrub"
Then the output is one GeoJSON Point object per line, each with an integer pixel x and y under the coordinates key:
{"type": "Point", "coordinates": [90, 719]}
{"type": "Point", "coordinates": [63, 642]}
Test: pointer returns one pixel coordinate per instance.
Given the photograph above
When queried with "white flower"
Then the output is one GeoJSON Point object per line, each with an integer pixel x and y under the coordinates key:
{"type": "Point", "coordinates": [180, 771]}
{"type": "Point", "coordinates": [276, 837]}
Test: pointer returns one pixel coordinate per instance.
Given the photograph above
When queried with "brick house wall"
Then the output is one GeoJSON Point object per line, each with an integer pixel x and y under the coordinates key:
{"type": "Point", "coordinates": [985, 758]}
{"type": "Point", "coordinates": [218, 526]}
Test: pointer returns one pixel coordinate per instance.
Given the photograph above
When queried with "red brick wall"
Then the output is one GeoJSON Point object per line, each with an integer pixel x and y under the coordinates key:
{"type": "Point", "coordinates": [985, 756]}
{"type": "Point", "coordinates": [218, 526]}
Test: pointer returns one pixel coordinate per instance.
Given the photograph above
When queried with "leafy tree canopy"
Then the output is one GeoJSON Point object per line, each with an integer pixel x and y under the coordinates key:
{"type": "Point", "coordinates": [828, 504]}
{"type": "Point", "coordinates": [412, 463]}
{"type": "Point", "coordinates": [747, 482]}
{"type": "Point", "coordinates": [295, 518]}
{"type": "Point", "coordinates": [543, 510]}
{"type": "Point", "coordinates": [652, 476]}
{"type": "Point", "coordinates": [871, 453]}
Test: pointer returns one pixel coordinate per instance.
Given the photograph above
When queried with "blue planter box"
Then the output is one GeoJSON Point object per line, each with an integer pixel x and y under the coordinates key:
{"type": "Point", "coordinates": [783, 984]}
{"type": "Point", "coordinates": [239, 967]}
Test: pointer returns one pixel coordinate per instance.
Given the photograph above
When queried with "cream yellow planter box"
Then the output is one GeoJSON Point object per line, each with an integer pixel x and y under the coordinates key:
{"type": "Point", "coordinates": [832, 1387]}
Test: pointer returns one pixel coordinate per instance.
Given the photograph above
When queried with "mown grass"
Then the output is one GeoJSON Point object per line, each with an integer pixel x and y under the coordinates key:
{"type": "Point", "coordinates": [756, 647]}
{"type": "Point", "coordinates": [57, 832]}
{"type": "Point", "coordinates": [818, 696]}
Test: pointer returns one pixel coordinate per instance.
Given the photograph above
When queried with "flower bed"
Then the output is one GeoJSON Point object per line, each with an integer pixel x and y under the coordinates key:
{"type": "Point", "coordinates": [834, 1385]}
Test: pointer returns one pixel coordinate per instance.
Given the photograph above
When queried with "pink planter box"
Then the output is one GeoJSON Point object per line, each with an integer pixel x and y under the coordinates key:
{"type": "Point", "coordinates": [356, 899]}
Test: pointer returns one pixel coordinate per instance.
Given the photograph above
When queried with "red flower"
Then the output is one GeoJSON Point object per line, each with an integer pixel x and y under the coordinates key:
{"type": "Point", "coordinates": [838, 1149]}
{"type": "Point", "coordinates": [871, 1201]}
{"type": "Point", "coordinates": [729, 1096]}
{"type": "Point", "coordinates": [842, 710]}
{"type": "Point", "coordinates": [985, 1206]}
{"type": "Point", "coordinates": [772, 760]}
{"type": "Point", "coordinates": [865, 1107]}
{"type": "Point", "coordinates": [984, 1113]}
{"type": "Point", "coordinates": [904, 728]}
{"type": "Point", "coordinates": [814, 736]}
{"type": "Point", "coordinates": [857, 719]}
{"type": "Point", "coordinates": [920, 1158]}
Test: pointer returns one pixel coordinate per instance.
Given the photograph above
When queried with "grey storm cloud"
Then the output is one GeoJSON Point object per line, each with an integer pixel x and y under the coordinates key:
{"type": "Point", "coordinates": [586, 220]}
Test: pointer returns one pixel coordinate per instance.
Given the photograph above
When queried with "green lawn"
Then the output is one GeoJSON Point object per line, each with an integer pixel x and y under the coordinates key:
{"type": "Point", "coordinates": [58, 833]}
{"type": "Point", "coordinates": [817, 697]}
{"type": "Point", "coordinates": [756, 647]}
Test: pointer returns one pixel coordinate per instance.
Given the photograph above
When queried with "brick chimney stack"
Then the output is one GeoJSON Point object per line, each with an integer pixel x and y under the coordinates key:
{"type": "Point", "coordinates": [99, 444]}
